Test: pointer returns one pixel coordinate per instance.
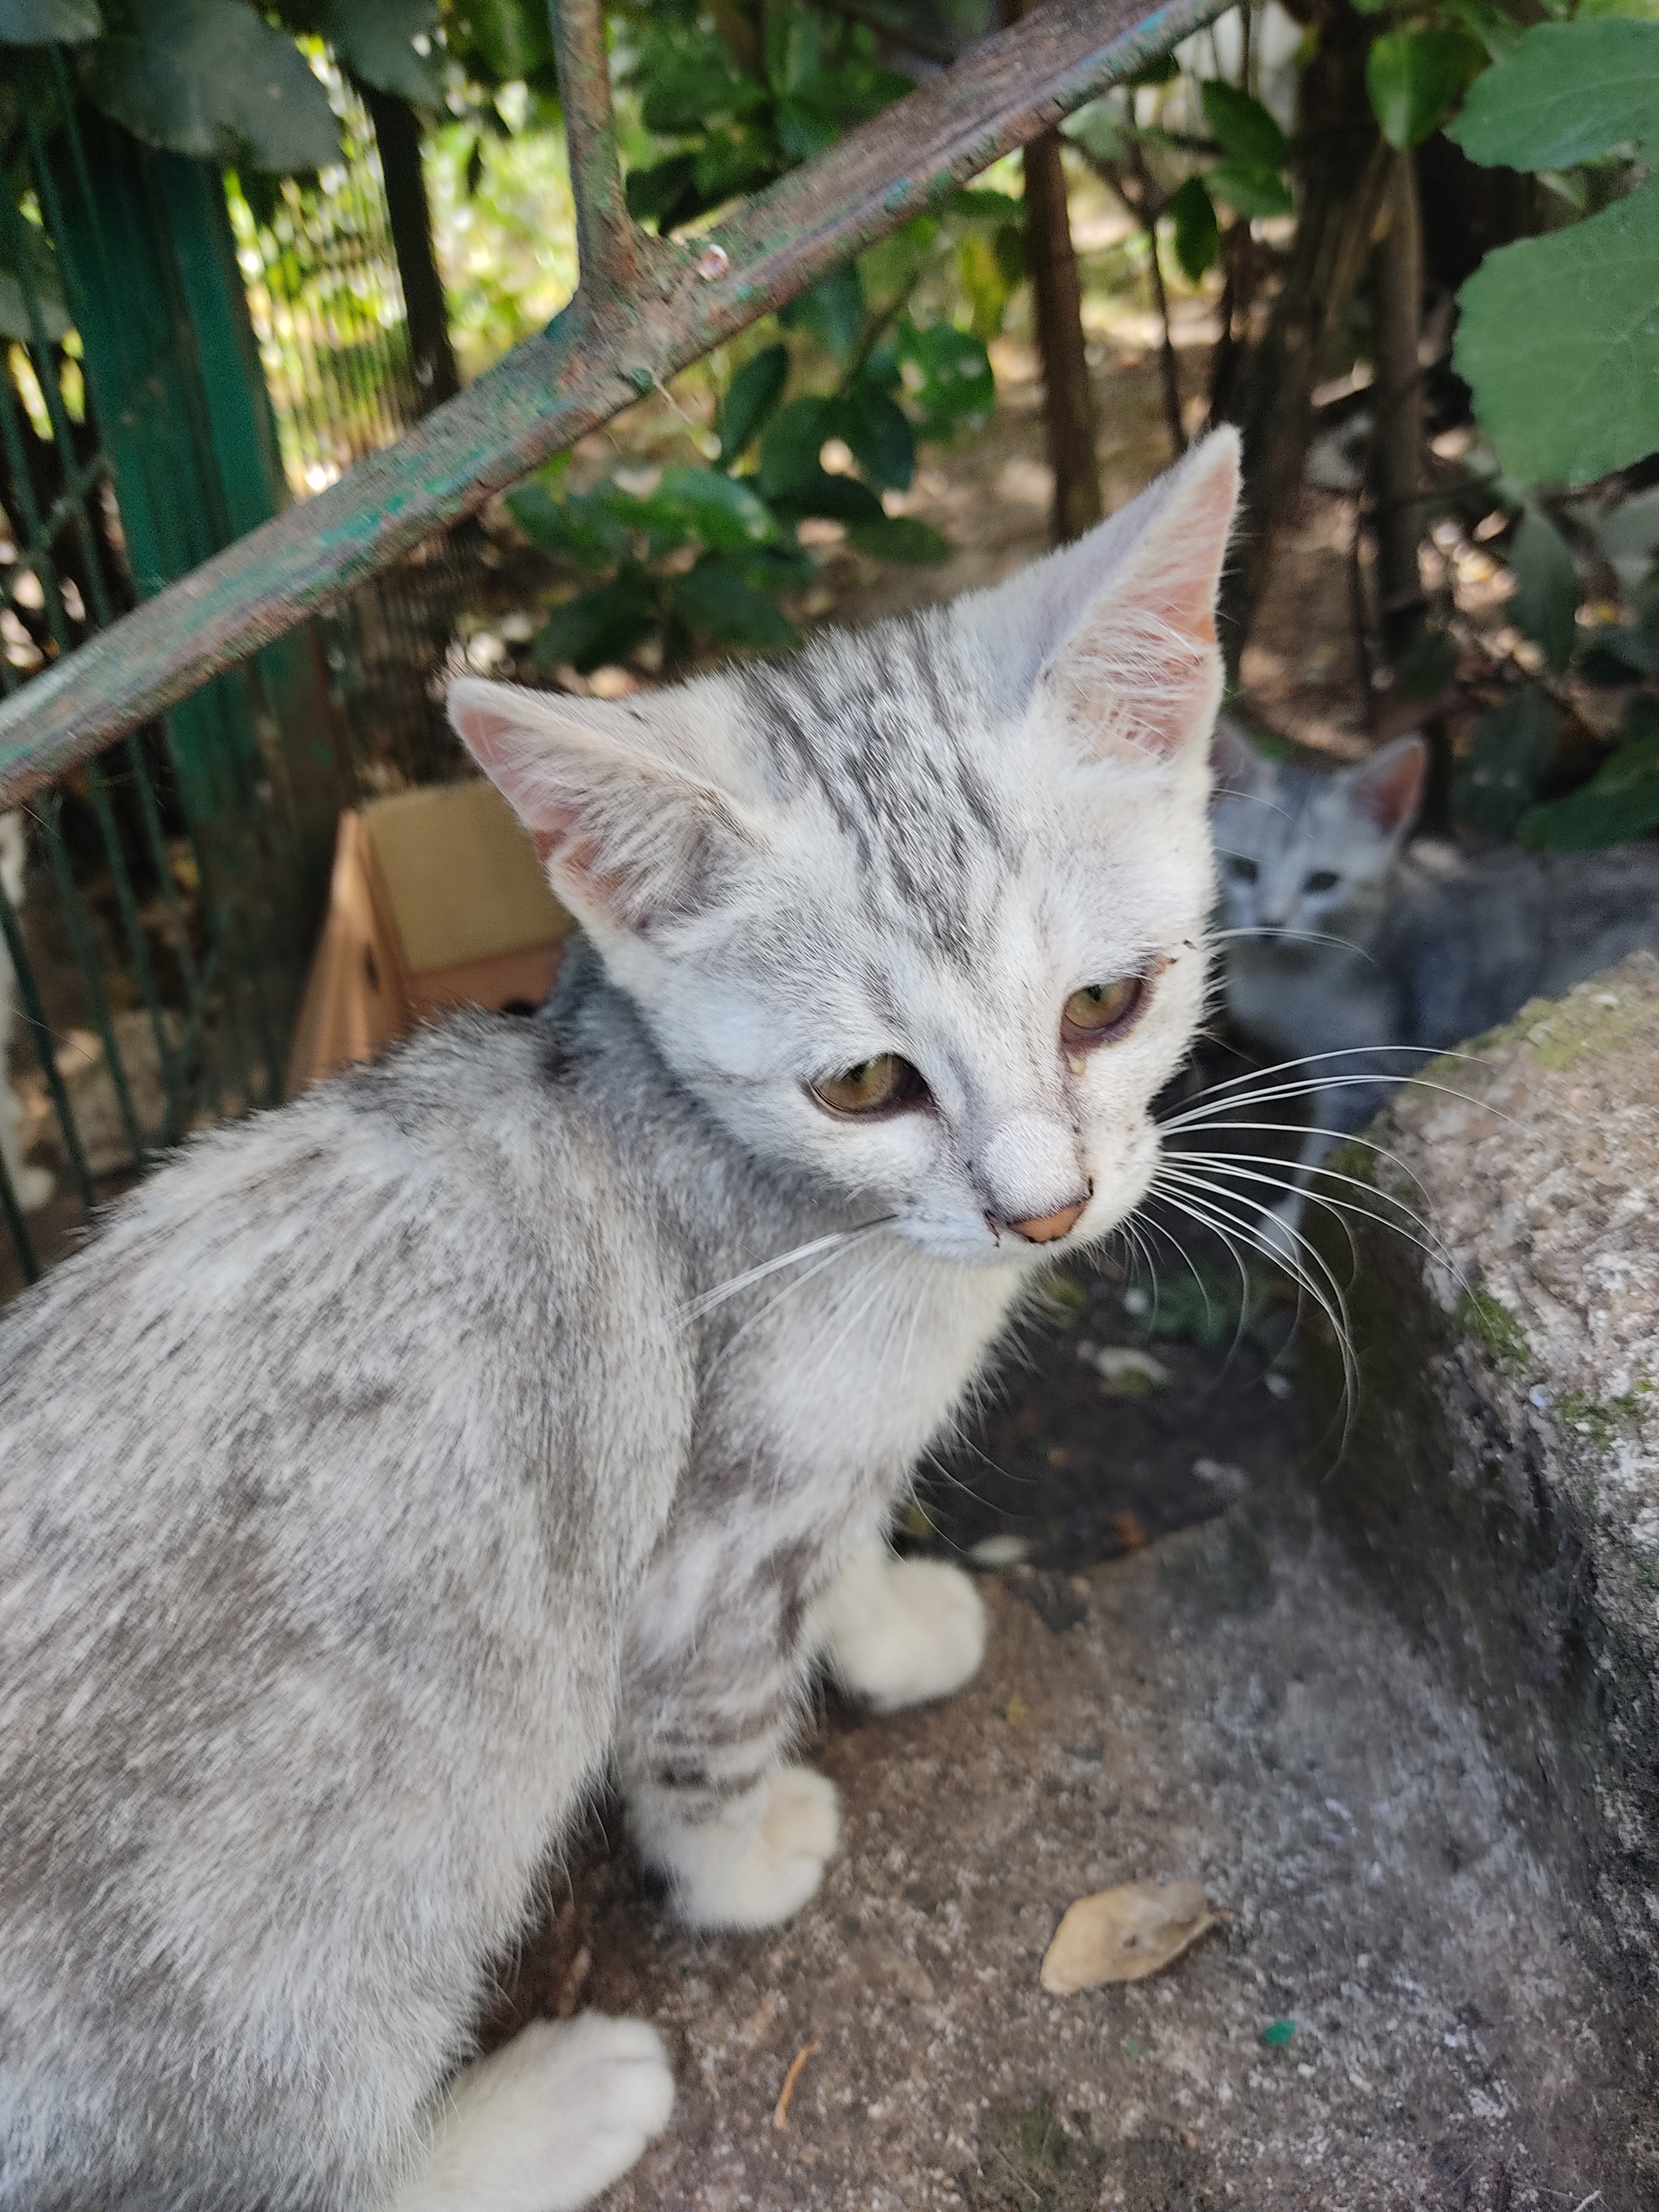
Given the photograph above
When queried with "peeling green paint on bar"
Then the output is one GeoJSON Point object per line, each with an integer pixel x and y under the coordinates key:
{"type": "Point", "coordinates": [642, 301]}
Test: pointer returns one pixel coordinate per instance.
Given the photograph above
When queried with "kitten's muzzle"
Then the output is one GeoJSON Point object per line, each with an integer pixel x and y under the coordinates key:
{"type": "Point", "coordinates": [1045, 1227]}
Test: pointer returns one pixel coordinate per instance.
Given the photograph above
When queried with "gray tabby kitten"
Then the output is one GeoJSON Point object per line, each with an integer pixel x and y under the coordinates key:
{"type": "Point", "coordinates": [1365, 955]}
{"type": "Point", "coordinates": [536, 1402]}
{"type": "Point", "coordinates": [32, 1186]}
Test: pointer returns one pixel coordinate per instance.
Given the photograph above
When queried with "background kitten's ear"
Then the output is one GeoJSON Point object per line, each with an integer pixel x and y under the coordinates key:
{"type": "Point", "coordinates": [630, 834]}
{"type": "Point", "coordinates": [1140, 671]}
{"type": "Point", "coordinates": [1234, 764]}
{"type": "Point", "coordinates": [1388, 788]}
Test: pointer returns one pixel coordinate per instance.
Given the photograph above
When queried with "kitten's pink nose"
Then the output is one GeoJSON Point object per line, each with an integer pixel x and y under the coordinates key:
{"type": "Point", "coordinates": [1043, 1228]}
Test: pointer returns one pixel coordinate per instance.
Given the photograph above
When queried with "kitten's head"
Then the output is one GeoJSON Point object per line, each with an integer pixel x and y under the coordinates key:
{"type": "Point", "coordinates": [1295, 847]}
{"type": "Point", "coordinates": [920, 910]}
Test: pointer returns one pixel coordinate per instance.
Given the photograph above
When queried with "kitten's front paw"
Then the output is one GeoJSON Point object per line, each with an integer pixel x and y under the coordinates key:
{"type": "Point", "coordinates": [903, 1632]}
{"type": "Point", "coordinates": [547, 2122]}
{"type": "Point", "coordinates": [759, 1862]}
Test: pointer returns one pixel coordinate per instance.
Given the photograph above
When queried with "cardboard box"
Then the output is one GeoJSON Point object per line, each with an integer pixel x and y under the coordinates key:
{"type": "Point", "coordinates": [437, 899]}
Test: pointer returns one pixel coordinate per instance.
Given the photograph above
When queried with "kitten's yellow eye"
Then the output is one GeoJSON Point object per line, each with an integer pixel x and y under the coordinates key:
{"type": "Point", "coordinates": [1102, 1011]}
{"type": "Point", "coordinates": [874, 1086]}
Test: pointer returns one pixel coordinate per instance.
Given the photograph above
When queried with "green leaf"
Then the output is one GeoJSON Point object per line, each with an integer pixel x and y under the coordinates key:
{"type": "Point", "coordinates": [832, 312]}
{"type": "Point", "coordinates": [1197, 232]}
{"type": "Point", "coordinates": [836, 498]}
{"type": "Point", "coordinates": [1545, 603]}
{"type": "Point", "coordinates": [209, 78]}
{"type": "Point", "coordinates": [731, 162]}
{"type": "Point", "coordinates": [1559, 340]}
{"type": "Point", "coordinates": [1568, 92]}
{"type": "Point", "coordinates": [376, 39]}
{"type": "Point", "coordinates": [694, 89]}
{"type": "Point", "coordinates": [1250, 191]}
{"type": "Point", "coordinates": [877, 431]}
{"type": "Point", "coordinates": [596, 627]}
{"type": "Point", "coordinates": [1511, 748]}
{"type": "Point", "coordinates": [899, 538]}
{"type": "Point", "coordinates": [954, 384]}
{"type": "Point", "coordinates": [1416, 78]}
{"type": "Point", "coordinates": [1165, 71]}
{"type": "Point", "coordinates": [751, 398]}
{"type": "Point", "coordinates": [582, 529]}
{"type": "Point", "coordinates": [502, 41]}
{"type": "Point", "coordinates": [975, 201]}
{"type": "Point", "coordinates": [790, 445]}
{"type": "Point", "coordinates": [722, 510]}
{"type": "Point", "coordinates": [721, 605]}
{"type": "Point", "coordinates": [1246, 129]}
{"type": "Point", "coordinates": [44, 22]}
{"type": "Point", "coordinates": [1497, 32]}
{"type": "Point", "coordinates": [1621, 800]}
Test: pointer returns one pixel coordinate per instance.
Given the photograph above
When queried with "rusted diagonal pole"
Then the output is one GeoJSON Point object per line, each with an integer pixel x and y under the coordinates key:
{"type": "Point", "coordinates": [607, 348]}
{"type": "Point", "coordinates": [608, 242]}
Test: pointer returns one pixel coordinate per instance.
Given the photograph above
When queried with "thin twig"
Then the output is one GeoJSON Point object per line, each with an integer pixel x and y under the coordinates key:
{"type": "Point", "coordinates": [780, 2110]}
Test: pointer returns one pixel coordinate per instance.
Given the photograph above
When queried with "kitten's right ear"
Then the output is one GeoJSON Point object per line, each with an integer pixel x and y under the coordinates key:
{"type": "Point", "coordinates": [1387, 789]}
{"type": "Point", "coordinates": [627, 827]}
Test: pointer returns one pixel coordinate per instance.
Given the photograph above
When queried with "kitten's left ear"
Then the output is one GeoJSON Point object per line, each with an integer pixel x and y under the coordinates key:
{"type": "Point", "coordinates": [1387, 789]}
{"type": "Point", "coordinates": [1139, 672]}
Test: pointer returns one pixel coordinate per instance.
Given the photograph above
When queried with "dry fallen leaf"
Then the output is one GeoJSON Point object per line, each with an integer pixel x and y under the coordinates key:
{"type": "Point", "coordinates": [1121, 1935]}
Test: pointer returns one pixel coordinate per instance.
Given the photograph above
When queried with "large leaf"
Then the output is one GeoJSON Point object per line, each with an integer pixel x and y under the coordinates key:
{"type": "Point", "coordinates": [210, 78]}
{"type": "Point", "coordinates": [696, 89]}
{"type": "Point", "coordinates": [1568, 92]}
{"type": "Point", "coordinates": [1559, 340]}
{"type": "Point", "coordinates": [1244, 127]}
{"type": "Point", "coordinates": [877, 431]}
{"type": "Point", "coordinates": [751, 399]}
{"type": "Point", "coordinates": [375, 39]}
{"type": "Point", "coordinates": [502, 41]}
{"type": "Point", "coordinates": [836, 498]}
{"type": "Point", "coordinates": [1416, 78]}
{"type": "Point", "coordinates": [1545, 603]}
{"type": "Point", "coordinates": [597, 626]}
{"type": "Point", "coordinates": [1587, 820]}
{"type": "Point", "coordinates": [1249, 190]}
{"type": "Point", "coordinates": [833, 311]}
{"type": "Point", "coordinates": [954, 385]}
{"type": "Point", "coordinates": [1511, 748]}
{"type": "Point", "coordinates": [721, 510]}
{"type": "Point", "coordinates": [712, 599]}
{"type": "Point", "coordinates": [666, 194]}
{"type": "Point", "coordinates": [790, 445]}
{"type": "Point", "coordinates": [731, 162]}
{"type": "Point", "coordinates": [581, 530]}
{"type": "Point", "coordinates": [899, 538]}
{"type": "Point", "coordinates": [1197, 232]}
{"type": "Point", "coordinates": [41, 22]}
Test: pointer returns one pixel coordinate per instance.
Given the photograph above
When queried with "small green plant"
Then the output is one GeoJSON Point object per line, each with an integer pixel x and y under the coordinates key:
{"type": "Point", "coordinates": [1495, 1329]}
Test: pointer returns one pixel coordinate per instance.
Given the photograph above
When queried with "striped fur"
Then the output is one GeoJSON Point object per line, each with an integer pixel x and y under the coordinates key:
{"type": "Point", "coordinates": [536, 1402]}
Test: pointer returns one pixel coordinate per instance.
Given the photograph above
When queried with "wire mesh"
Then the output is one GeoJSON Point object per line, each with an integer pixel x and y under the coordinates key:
{"type": "Point", "coordinates": [157, 916]}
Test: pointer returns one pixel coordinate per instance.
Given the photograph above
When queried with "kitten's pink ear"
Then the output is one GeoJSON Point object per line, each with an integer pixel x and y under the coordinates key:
{"type": "Point", "coordinates": [1388, 789]}
{"type": "Point", "coordinates": [1140, 672]}
{"type": "Point", "coordinates": [627, 834]}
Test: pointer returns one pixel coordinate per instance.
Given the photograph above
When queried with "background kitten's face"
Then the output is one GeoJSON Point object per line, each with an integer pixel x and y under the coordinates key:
{"type": "Point", "coordinates": [920, 911]}
{"type": "Point", "coordinates": [1295, 847]}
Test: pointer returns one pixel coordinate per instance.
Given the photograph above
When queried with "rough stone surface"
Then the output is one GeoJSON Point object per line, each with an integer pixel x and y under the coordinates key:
{"type": "Point", "coordinates": [1504, 1470]}
{"type": "Point", "coordinates": [1231, 1705]}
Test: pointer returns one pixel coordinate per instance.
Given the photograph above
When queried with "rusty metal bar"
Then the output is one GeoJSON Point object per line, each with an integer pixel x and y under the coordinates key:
{"type": "Point", "coordinates": [610, 245]}
{"type": "Point", "coordinates": [607, 348]}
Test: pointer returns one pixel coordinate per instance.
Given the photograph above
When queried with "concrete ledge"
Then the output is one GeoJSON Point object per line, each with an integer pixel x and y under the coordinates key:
{"type": "Point", "coordinates": [1502, 1475]}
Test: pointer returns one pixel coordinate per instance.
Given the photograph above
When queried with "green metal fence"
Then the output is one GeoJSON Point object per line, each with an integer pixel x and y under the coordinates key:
{"type": "Point", "coordinates": [183, 760]}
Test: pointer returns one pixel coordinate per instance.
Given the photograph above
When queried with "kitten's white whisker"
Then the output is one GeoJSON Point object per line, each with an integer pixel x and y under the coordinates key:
{"type": "Point", "coordinates": [1304, 936]}
{"type": "Point", "coordinates": [707, 1301]}
{"type": "Point", "coordinates": [1423, 1243]}
{"type": "Point", "coordinates": [1225, 1162]}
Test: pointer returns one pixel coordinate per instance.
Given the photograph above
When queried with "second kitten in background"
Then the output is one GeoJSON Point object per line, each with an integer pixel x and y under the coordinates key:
{"type": "Point", "coordinates": [1347, 940]}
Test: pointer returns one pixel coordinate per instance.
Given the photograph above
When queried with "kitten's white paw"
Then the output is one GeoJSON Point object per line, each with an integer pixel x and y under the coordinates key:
{"type": "Point", "coordinates": [903, 1631]}
{"type": "Point", "coordinates": [33, 1186]}
{"type": "Point", "coordinates": [759, 1862]}
{"type": "Point", "coordinates": [548, 2121]}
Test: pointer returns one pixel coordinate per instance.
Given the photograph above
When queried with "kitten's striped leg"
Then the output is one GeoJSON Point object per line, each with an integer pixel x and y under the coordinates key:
{"type": "Point", "coordinates": [719, 1668]}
